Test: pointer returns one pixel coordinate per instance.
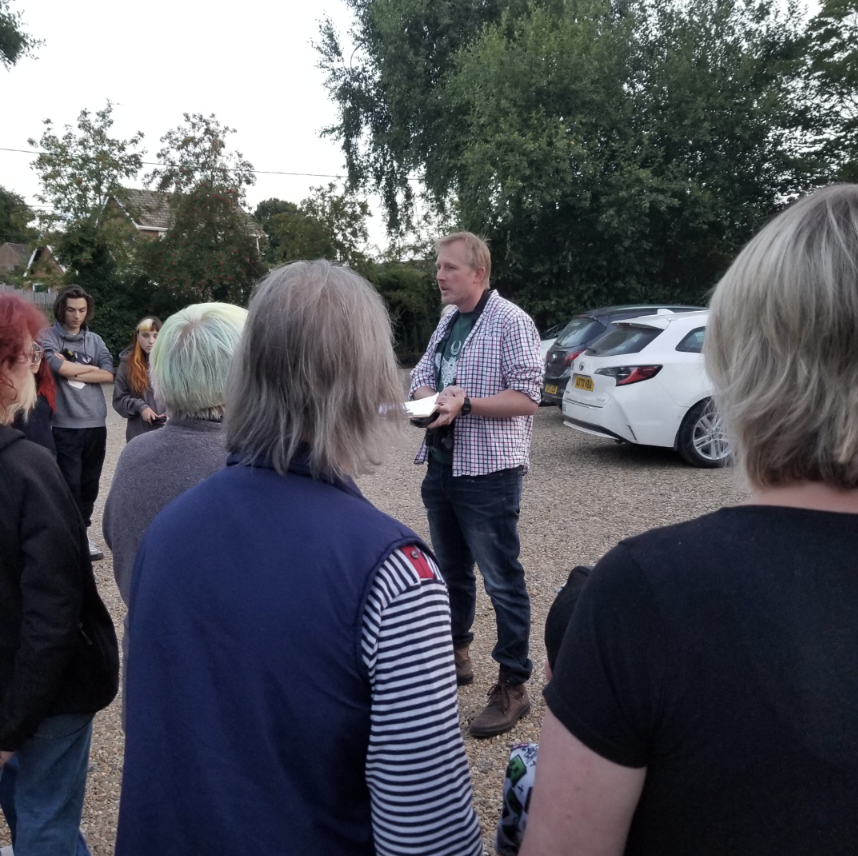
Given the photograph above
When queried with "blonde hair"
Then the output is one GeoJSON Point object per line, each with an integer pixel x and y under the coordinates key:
{"type": "Point", "coordinates": [24, 403]}
{"type": "Point", "coordinates": [190, 359]}
{"type": "Point", "coordinates": [315, 366]}
{"type": "Point", "coordinates": [476, 248]}
{"type": "Point", "coordinates": [782, 345]}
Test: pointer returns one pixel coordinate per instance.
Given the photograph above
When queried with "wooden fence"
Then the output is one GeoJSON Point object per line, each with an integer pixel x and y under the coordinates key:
{"type": "Point", "coordinates": [40, 298]}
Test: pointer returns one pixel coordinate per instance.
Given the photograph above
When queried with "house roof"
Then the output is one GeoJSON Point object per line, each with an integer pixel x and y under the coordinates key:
{"type": "Point", "coordinates": [21, 250]}
{"type": "Point", "coordinates": [150, 210]}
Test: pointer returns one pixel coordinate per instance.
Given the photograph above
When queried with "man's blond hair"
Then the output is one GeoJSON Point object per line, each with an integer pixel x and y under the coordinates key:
{"type": "Point", "coordinates": [477, 250]}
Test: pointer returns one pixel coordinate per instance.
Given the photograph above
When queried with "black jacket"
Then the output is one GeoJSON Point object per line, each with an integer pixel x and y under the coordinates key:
{"type": "Point", "coordinates": [58, 649]}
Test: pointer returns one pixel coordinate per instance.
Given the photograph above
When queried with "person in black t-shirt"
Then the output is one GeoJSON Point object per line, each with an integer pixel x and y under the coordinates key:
{"type": "Point", "coordinates": [705, 700]}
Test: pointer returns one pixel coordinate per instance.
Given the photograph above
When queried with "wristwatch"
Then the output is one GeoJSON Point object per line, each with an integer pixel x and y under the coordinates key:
{"type": "Point", "coordinates": [466, 406]}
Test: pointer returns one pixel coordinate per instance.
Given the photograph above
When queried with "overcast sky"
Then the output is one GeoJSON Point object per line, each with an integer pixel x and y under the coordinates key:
{"type": "Point", "coordinates": [250, 63]}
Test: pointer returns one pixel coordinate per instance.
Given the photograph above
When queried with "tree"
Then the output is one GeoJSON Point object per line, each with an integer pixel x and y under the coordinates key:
{"type": "Point", "coordinates": [15, 217]}
{"type": "Point", "coordinates": [611, 151]}
{"type": "Point", "coordinates": [196, 153]}
{"type": "Point", "coordinates": [14, 42]}
{"type": "Point", "coordinates": [209, 252]}
{"type": "Point", "coordinates": [411, 295]}
{"type": "Point", "coordinates": [79, 172]}
{"type": "Point", "coordinates": [83, 168]}
{"type": "Point", "coordinates": [387, 88]}
{"type": "Point", "coordinates": [326, 225]}
{"type": "Point", "coordinates": [291, 234]}
{"type": "Point", "coordinates": [832, 52]}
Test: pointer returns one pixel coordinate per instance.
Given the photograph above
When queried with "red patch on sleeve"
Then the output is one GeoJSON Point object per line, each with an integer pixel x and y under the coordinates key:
{"type": "Point", "coordinates": [414, 556]}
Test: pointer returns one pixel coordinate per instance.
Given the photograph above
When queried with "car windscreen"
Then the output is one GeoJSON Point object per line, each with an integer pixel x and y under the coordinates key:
{"type": "Point", "coordinates": [623, 340]}
{"type": "Point", "coordinates": [578, 331]}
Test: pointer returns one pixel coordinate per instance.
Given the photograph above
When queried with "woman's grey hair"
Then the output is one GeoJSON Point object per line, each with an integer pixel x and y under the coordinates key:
{"type": "Point", "coordinates": [191, 356]}
{"type": "Point", "coordinates": [782, 345]}
{"type": "Point", "coordinates": [315, 365]}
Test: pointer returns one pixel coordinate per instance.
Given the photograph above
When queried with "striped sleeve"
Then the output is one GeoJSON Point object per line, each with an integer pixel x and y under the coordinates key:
{"type": "Point", "coordinates": [416, 770]}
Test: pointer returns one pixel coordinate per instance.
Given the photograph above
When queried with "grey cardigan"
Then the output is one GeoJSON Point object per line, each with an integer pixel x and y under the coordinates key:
{"type": "Point", "coordinates": [151, 472]}
{"type": "Point", "coordinates": [129, 405]}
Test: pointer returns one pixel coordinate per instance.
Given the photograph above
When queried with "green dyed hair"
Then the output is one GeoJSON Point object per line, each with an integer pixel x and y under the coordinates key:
{"type": "Point", "coordinates": [190, 360]}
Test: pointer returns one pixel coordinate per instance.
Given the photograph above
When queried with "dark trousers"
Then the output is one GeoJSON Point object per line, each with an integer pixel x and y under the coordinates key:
{"type": "Point", "coordinates": [80, 455]}
{"type": "Point", "coordinates": [476, 518]}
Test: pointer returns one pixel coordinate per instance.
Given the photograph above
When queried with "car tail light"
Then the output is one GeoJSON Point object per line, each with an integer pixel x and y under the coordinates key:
{"type": "Point", "coordinates": [572, 356]}
{"type": "Point", "coordinates": [624, 375]}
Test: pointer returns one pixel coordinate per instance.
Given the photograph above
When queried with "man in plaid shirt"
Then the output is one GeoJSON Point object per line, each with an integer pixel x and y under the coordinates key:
{"type": "Point", "coordinates": [483, 360]}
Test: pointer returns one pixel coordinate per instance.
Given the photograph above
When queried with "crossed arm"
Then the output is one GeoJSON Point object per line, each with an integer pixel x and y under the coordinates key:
{"type": "Point", "coordinates": [83, 373]}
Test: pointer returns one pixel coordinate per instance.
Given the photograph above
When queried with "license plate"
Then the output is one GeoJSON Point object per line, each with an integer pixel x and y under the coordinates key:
{"type": "Point", "coordinates": [551, 388]}
{"type": "Point", "coordinates": [582, 382]}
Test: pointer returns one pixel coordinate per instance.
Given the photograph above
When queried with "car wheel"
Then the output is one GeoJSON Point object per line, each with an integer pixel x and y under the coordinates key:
{"type": "Point", "coordinates": [701, 440]}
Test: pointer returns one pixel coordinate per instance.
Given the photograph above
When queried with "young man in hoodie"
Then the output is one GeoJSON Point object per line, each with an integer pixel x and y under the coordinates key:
{"type": "Point", "coordinates": [80, 362]}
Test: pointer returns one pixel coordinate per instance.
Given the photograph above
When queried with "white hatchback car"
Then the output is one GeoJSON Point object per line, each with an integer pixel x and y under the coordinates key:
{"type": "Point", "coordinates": [644, 382]}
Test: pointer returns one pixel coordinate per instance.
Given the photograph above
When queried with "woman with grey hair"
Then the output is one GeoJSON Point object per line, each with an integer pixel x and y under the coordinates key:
{"type": "Point", "coordinates": [291, 687]}
{"type": "Point", "coordinates": [705, 698]}
{"type": "Point", "coordinates": [188, 365]}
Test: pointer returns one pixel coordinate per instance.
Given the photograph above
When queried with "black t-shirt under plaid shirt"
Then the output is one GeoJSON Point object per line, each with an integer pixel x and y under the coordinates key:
{"type": "Point", "coordinates": [446, 360]}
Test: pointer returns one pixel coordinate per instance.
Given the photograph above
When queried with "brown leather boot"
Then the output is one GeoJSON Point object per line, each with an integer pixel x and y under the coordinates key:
{"type": "Point", "coordinates": [464, 669]}
{"type": "Point", "coordinates": [507, 704]}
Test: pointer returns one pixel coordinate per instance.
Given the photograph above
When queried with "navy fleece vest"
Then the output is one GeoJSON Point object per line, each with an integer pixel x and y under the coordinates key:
{"type": "Point", "coordinates": [248, 702]}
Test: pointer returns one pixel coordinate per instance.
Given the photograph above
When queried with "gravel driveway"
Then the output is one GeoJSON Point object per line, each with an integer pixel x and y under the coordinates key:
{"type": "Point", "coordinates": [582, 495]}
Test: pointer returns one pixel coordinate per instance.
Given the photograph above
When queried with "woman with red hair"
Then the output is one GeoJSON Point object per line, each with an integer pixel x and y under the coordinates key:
{"type": "Point", "coordinates": [58, 654]}
{"type": "Point", "coordinates": [133, 397]}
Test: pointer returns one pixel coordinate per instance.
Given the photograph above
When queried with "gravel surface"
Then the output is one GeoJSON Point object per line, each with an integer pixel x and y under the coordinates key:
{"type": "Point", "coordinates": [582, 495]}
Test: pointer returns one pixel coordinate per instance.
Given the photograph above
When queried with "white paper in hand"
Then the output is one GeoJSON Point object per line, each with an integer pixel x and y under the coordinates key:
{"type": "Point", "coordinates": [421, 408]}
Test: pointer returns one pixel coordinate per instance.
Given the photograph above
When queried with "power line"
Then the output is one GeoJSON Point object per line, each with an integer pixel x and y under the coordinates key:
{"type": "Point", "coordinates": [254, 171]}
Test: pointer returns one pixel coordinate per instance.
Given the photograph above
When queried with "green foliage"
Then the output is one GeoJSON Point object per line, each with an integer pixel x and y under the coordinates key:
{"type": "Point", "coordinates": [196, 154]}
{"type": "Point", "coordinates": [84, 167]}
{"type": "Point", "coordinates": [326, 225]}
{"type": "Point", "coordinates": [120, 302]}
{"type": "Point", "coordinates": [832, 53]}
{"type": "Point", "coordinates": [208, 253]}
{"type": "Point", "coordinates": [15, 43]}
{"type": "Point", "coordinates": [291, 234]}
{"type": "Point", "coordinates": [610, 151]}
{"type": "Point", "coordinates": [411, 295]}
{"type": "Point", "coordinates": [387, 88]}
{"type": "Point", "coordinates": [15, 217]}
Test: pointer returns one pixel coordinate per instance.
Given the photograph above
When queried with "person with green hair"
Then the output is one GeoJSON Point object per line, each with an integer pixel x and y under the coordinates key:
{"type": "Point", "coordinates": [188, 364]}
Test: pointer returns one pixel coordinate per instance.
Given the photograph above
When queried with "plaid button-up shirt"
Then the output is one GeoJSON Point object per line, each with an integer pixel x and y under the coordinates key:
{"type": "Point", "coordinates": [501, 352]}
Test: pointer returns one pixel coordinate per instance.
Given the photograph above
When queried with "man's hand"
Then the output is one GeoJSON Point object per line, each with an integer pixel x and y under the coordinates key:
{"type": "Point", "coordinates": [449, 406]}
{"type": "Point", "coordinates": [5, 756]}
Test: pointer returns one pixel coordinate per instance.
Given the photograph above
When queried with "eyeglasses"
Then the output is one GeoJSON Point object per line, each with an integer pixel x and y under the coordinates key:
{"type": "Point", "coordinates": [36, 354]}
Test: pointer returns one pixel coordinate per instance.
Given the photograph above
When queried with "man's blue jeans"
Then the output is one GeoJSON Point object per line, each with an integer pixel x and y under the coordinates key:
{"type": "Point", "coordinates": [476, 518]}
{"type": "Point", "coordinates": [42, 788]}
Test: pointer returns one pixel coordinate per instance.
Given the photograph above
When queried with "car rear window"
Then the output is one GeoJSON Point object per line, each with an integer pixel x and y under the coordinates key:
{"type": "Point", "coordinates": [693, 342]}
{"type": "Point", "coordinates": [623, 340]}
{"type": "Point", "coordinates": [579, 330]}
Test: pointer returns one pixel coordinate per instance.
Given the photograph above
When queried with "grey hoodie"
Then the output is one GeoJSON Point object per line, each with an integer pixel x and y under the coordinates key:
{"type": "Point", "coordinates": [77, 408]}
